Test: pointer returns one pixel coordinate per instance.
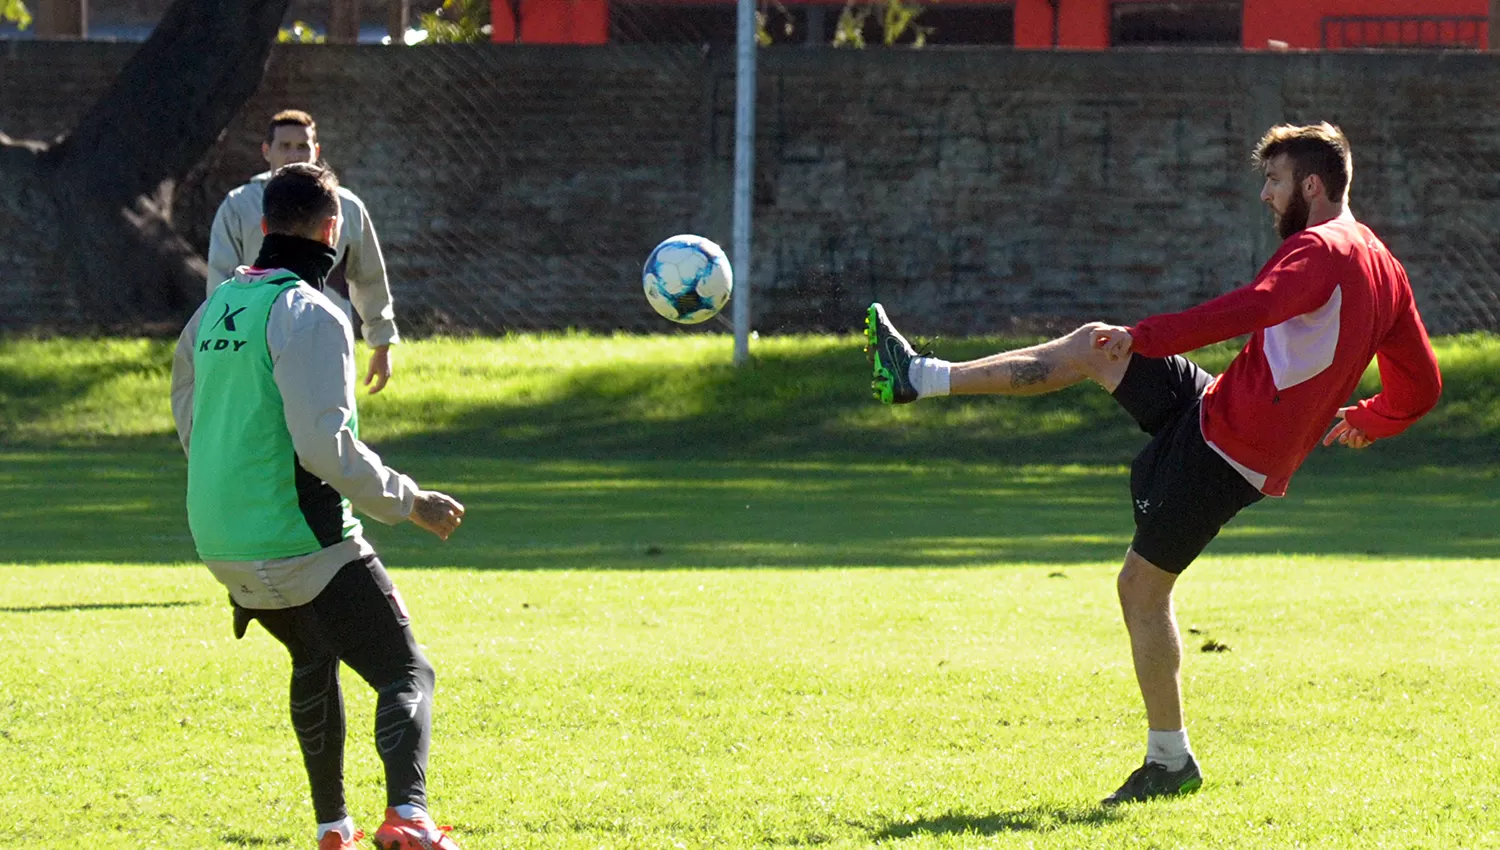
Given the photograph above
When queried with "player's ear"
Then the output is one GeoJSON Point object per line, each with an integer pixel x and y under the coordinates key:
{"type": "Point", "coordinates": [1312, 186]}
{"type": "Point", "coordinates": [331, 230]}
{"type": "Point", "coordinates": [265, 152]}
{"type": "Point", "coordinates": [264, 228]}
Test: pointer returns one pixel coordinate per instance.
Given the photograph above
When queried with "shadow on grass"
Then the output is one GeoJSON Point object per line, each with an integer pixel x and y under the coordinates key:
{"type": "Point", "coordinates": [58, 389]}
{"type": "Point", "coordinates": [815, 405]}
{"type": "Point", "coordinates": [107, 505]}
{"type": "Point", "coordinates": [794, 405]}
{"type": "Point", "coordinates": [796, 401]}
{"type": "Point", "coordinates": [1030, 819]}
{"type": "Point", "coordinates": [93, 606]}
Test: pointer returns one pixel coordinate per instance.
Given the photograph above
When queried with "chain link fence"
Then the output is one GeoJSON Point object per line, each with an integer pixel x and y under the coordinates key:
{"type": "Point", "coordinates": [519, 187]}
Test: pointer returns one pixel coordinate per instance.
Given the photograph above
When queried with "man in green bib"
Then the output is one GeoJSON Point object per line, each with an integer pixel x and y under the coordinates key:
{"type": "Point", "coordinates": [263, 395]}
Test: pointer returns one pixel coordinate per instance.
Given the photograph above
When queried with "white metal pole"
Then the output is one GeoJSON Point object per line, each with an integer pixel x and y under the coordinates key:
{"type": "Point", "coordinates": [744, 176]}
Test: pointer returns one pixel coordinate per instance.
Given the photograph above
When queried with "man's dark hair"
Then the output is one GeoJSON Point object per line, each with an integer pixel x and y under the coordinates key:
{"type": "Point", "coordinates": [1319, 149]}
{"type": "Point", "coordinates": [291, 118]}
{"type": "Point", "coordinates": [299, 198]}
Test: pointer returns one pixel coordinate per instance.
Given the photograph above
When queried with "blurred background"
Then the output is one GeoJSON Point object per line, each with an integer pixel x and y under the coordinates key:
{"type": "Point", "coordinates": [991, 167]}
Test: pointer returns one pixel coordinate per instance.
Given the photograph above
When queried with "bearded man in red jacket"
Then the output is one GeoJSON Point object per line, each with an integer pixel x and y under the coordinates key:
{"type": "Point", "coordinates": [1330, 300]}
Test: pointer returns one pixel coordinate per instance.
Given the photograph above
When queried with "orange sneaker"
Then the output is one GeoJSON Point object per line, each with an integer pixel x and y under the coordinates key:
{"type": "Point", "coordinates": [419, 833]}
{"type": "Point", "coordinates": [334, 840]}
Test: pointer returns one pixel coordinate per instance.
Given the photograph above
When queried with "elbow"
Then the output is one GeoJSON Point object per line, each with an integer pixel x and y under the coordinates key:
{"type": "Point", "coordinates": [1432, 400]}
{"type": "Point", "coordinates": [1434, 391]}
{"type": "Point", "coordinates": [1425, 403]}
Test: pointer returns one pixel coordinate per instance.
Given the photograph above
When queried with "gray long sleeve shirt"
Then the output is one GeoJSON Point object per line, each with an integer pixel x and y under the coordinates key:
{"type": "Point", "coordinates": [312, 352]}
{"type": "Point", "coordinates": [235, 241]}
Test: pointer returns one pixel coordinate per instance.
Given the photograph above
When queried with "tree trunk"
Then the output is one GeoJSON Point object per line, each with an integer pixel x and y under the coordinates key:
{"type": "Point", "coordinates": [97, 202]}
{"type": "Point", "coordinates": [62, 19]}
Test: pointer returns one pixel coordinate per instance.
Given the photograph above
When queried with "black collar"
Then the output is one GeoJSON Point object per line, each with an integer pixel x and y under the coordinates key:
{"type": "Point", "coordinates": [308, 259]}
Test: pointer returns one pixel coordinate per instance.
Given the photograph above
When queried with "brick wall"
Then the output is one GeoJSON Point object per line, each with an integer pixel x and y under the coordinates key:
{"type": "Point", "coordinates": [972, 190]}
{"type": "Point", "coordinates": [145, 13]}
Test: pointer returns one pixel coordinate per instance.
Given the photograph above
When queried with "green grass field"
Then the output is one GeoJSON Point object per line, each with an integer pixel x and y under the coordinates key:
{"type": "Point", "coordinates": [695, 606]}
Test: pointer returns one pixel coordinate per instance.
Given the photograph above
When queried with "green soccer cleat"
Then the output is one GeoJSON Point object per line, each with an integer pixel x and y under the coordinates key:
{"type": "Point", "coordinates": [890, 359]}
{"type": "Point", "coordinates": [1152, 780]}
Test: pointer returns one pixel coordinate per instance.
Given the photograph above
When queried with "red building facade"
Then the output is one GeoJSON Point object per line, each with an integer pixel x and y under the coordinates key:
{"type": "Point", "coordinates": [1038, 24]}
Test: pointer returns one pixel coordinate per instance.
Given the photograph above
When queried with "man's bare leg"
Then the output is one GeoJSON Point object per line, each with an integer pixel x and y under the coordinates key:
{"type": "Point", "coordinates": [1156, 647]}
{"type": "Point", "coordinates": [1050, 366]}
{"type": "Point", "coordinates": [901, 376]}
{"type": "Point", "coordinates": [1155, 644]}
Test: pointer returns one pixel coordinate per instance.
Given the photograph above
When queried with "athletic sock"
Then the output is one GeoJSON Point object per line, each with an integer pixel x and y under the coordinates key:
{"type": "Point", "coordinates": [1169, 749]}
{"type": "Point", "coordinates": [345, 828]}
{"type": "Point", "coordinates": [410, 811]}
{"type": "Point", "coordinates": [929, 376]}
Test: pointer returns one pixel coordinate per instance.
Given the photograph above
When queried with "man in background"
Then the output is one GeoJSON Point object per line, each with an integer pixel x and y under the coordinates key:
{"type": "Point", "coordinates": [358, 277]}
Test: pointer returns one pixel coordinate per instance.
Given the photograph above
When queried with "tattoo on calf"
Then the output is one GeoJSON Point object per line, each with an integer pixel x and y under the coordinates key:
{"type": "Point", "coordinates": [1030, 373]}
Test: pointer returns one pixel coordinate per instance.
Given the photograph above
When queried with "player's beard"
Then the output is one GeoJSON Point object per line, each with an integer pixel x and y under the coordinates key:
{"type": "Point", "coordinates": [1294, 219]}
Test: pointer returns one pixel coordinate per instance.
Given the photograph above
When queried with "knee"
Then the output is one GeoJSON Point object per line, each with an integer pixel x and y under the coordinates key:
{"type": "Point", "coordinates": [1143, 587]}
{"type": "Point", "coordinates": [423, 672]}
{"type": "Point", "coordinates": [419, 674]}
{"type": "Point", "coordinates": [408, 675]}
{"type": "Point", "coordinates": [314, 666]}
{"type": "Point", "coordinates": [1080, 340]}
{"type": "Point", "coordinates": [1080, 353]}
{"type": "Point", "coordinates": [1127, 588]}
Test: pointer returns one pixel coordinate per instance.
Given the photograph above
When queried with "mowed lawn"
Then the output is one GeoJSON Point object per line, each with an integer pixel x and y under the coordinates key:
{"type": "Point", "coordinates": [694, 606]}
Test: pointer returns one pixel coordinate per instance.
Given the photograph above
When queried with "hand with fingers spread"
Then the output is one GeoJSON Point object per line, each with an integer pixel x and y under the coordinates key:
{"type": "Point", "coordinates": [1345, 434]}
{"type": "Point", "coordinates": [1113, 340]}
{"type": "Point", "coordinates": [437, 512]}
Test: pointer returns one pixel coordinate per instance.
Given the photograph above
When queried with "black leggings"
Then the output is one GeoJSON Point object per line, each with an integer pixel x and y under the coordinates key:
{"type": "Point", "coordinates": [358, 619]}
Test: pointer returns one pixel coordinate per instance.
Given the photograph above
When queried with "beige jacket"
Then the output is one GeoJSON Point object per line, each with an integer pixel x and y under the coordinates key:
{"type": "Point", "coordinates": [236, 237]}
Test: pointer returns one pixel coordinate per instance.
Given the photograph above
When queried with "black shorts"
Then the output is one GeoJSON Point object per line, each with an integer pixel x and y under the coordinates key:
{"type": "Point", "coordinates": [1183, 491]}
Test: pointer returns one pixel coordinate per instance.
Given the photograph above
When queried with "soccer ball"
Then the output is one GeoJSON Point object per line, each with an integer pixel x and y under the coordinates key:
{"type": "Point", "coordinates": [687, 279]}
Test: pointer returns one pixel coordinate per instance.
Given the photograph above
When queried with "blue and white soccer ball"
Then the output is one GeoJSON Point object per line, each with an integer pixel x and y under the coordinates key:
{"type": "Point", "coordinates": [688, 279]}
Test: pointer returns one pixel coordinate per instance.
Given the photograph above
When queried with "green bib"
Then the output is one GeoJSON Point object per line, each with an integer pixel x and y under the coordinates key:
{"type": "Point", "coordinates": [248, 497]}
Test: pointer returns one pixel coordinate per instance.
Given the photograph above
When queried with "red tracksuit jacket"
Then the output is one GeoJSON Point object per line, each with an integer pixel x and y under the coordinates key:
{"type": "Point", "coordinates": [1329, 300]}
